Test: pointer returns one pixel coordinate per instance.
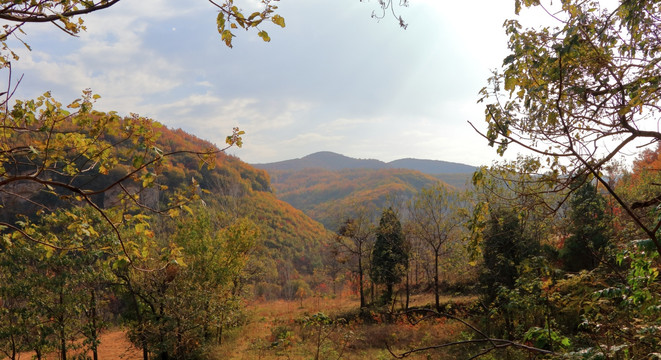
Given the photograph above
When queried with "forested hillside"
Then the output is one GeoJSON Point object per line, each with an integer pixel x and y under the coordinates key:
{"type": "Point", "coordinates": [229, 185]}
{"type": "Point", "coordinates": [288, 235]}
{"type": "Point", "coordinates": [327, 195]}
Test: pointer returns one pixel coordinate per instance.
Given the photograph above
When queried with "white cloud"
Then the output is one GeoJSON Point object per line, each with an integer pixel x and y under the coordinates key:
{"type": "Point", "coordinates": [366, 90]}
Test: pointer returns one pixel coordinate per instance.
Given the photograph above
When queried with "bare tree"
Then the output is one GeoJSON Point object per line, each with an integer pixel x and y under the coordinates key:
{"type": "Point", "coordinates": [354, 238]}
{"type": "Point", "coordinates": [434, 219]}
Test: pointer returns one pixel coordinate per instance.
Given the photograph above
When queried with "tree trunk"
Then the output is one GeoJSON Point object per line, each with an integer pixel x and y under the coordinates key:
{"type": "Point", "coordinates": [408, 288]}
{"type": "Point", "coordinates": [360, 280]}
{"type": "Point", "coordinates": [94, 334]}
{"type": "Point", "coordinates": [436, 295]}
{"type": "Point", "coordinates": [372, 291]}
{"type": "Point", "coordinates": [13, 348]}
{"type": "Point", "coordinates": [63, 339]}
{"type": "Point", "coordinates": [388, 294]}
{"type": "Point", "coordinates": [63, 344]}
{"type": "Point", "coordinates": [417, 265]}
{"type": "Point", "coordinates": [138, 314]}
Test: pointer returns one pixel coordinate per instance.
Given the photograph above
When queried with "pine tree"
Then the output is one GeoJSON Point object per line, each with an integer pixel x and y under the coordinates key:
{"type": "Point", "coordinates": [390, 255]}
{"type": "Point", "coordinates": [588, 230]}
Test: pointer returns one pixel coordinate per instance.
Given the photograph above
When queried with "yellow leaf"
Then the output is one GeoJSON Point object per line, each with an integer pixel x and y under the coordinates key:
{"type": "Point", "coordinates": [173, 213]}
{"type": "Point", "coordinates": [188, 210]}
{"type": "Point", "coordinates": [264, 35]}
{"type": "Point", "coordinates": [278, 20]}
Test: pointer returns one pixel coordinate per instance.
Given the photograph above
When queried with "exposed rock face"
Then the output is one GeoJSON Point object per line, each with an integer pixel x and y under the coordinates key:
{"type": "Point", "coordinates": [16, 193]}
{"type": "Point", "coordinates": [147, 196]}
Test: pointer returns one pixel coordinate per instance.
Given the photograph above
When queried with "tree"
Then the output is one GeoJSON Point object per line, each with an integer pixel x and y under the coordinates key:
{"type": "Point", "coordinates": [434, 218]}
{"type": "Point", "coordinates": [588, 230]}
{"type": "Point", "coordinates": [354, 237]}
{"type": "Point", "coordinates": [507, 244]}
{"type": "Point", "coordinates": [390, 256]}
{"type": "Point", "coordinates": [182, 308]}
{"type": "Point", "coordinates": [61, 157]}
{"type": "Point", "coordinates": [580, 93]}
{"type": "Point", "coordinates": [53, 295]}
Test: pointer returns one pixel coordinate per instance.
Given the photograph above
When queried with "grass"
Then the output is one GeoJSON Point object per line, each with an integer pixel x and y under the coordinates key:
{"type": "Point", "coordinates": [114, 345]}
{"type": "Point", "coordinates": [276, 331]}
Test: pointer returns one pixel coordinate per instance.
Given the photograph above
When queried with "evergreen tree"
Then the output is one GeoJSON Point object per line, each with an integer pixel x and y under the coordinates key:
{"type": "Point", "coordinates": [390, 255]}
{"type": "Point", "coordinates": [506, 245]}
{"type": "Point", "coordinates": [588, 228]}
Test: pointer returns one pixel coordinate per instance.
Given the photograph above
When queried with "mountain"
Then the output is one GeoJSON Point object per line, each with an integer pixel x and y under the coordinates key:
{"type": "Point", "coordinates": [333, 161]}
{"type": "Point", "coordinates": [327, 186]}
{"type": "Point", "coordinates": [455, 174]}
{"type": "Point", "coordinates": [433, 167]}
{"type": "Point", "coordinates": [323, 160]}
{"type": "Point", "coordinates": [290, 240]}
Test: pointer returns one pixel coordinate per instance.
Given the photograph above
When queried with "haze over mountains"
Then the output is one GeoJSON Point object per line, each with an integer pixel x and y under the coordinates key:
{"type": "Point", "coordinates": [333, 161]}
{"type": "Point", "coordinates": [326, 186]}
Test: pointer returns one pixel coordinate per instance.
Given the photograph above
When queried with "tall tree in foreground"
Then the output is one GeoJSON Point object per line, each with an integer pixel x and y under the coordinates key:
{"type": "Point", "coordinates": [581, 92]}
{"type": "Point", "coordinates": [390, 254]}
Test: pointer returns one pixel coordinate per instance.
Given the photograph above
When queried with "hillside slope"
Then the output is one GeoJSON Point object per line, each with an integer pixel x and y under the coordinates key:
{"type": "Point", "coordinates": [231, 186]}
{"type": "Point", "coordinates": [328, 195]}
{"type": "Point", "coordinates": [289, 237]}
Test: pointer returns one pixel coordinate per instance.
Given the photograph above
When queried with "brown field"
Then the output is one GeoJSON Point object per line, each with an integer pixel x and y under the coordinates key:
{"type": "Point", "coordinates": [114, 345]}
{"type": "Point", "coordinates": [356, 340]}
{"type": "Point", "coordinates": [363, 340]}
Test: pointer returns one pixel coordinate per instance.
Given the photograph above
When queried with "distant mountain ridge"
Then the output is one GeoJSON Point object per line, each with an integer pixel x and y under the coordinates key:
{"type": "Point", "coordinates": [326, 185]}
{"type": "Point", "coordinates": [332, 161]}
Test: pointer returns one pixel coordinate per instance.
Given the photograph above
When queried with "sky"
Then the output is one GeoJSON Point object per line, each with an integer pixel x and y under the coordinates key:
{"type": "Point", "coordinates": [334, 79]}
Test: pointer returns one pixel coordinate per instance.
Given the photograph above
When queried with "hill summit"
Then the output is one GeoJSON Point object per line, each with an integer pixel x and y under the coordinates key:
{"type": "Point", "coordinates": [328, 160]}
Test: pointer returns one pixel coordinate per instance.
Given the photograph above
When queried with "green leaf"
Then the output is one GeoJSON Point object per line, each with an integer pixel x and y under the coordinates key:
{"type": "Point", "coordinates": [138, 161]}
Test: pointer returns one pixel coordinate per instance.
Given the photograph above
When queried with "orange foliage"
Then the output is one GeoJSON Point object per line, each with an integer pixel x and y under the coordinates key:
{"type": "Point", "coordinates": [324, 194]}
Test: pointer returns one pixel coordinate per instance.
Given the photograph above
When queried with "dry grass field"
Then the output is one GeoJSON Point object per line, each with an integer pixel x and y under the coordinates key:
{"type": "Point", "coordinates": [275, 330]}
{"type": "Point", "coordinates": [357, 339]}
{"type": "Point", "coordinates": [114, 345]}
